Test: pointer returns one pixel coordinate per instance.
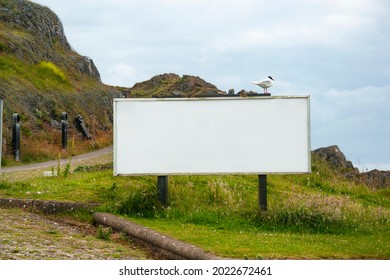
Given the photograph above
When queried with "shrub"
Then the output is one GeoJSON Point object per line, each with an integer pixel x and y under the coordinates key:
{"type": "Point", "coordinates": [141, 202]}
{"type": "Point", "coordinates": [50, 70]}
{"type": "Point", "coordinates": [104, 233]}
{"type": "Point", "coordinates": [2, 47]}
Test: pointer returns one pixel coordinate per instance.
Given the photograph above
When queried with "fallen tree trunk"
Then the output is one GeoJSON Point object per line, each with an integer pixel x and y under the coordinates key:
{"type": "Point", "coordinates": [177, 249]}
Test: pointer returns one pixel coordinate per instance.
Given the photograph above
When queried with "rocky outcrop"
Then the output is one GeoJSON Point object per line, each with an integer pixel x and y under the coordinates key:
{"type": "Point", "coordinates": [376, 178]}
{"type": "Point", "coordinates": [170, 84]}
{"type": "Point", "coordinates": [37, 34]}
{"type": "Point", "coordinates": [37, 19]}
{"type": "Point", "coordinates": [335, 158]}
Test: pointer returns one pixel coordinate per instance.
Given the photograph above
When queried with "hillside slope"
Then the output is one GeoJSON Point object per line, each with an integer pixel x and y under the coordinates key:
{"type": "Point", "coordinates": [41, 76]}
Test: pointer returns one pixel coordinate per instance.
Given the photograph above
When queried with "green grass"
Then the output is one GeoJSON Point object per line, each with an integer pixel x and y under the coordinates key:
{"type": "Point", "coordinates": [254, 243]}
{"type": "Point", "coordinates": [42, 76]}
{"type": "Point", "coordinates": [316, 216]}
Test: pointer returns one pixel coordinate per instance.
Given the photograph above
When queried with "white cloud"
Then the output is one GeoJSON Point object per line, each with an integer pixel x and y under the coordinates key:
{"type": "Point", "coordinates": [357, 120]}
{"type": "Point", "coordinates": [327, 24]}
{"type": "Point", "coordinates": [120, 75]}
{"type": "Point", "coordinates": [366, 96]}
{"type": "Point", "coordinates": [362, 106]}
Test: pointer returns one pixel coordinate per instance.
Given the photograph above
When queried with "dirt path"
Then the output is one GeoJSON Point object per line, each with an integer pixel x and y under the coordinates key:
{"type": "Point", "coordinates": [48, 164]}
{"type": "Point", "coordinates": [22, 172]}
{"type": "Point", "coordinates": [26, 235]}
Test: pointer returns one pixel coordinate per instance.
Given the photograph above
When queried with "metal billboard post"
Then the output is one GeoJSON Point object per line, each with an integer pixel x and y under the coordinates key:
{"type": "Point", "coordinates": [162, 186]}
{"type": "Point", "coordinates": [262, 192]}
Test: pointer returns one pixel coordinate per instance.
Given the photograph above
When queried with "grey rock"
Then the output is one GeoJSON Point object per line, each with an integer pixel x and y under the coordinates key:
{"type": "Point", "coordinates": [334, 157]}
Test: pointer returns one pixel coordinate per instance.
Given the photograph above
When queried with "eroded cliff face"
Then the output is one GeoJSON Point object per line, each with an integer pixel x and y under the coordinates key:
{"type": "Point", "coordinates": [35, 33]}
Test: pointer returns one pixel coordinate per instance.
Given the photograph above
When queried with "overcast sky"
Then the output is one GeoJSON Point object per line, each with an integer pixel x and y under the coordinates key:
{"type": "Point", "coordinates": [337, 51]}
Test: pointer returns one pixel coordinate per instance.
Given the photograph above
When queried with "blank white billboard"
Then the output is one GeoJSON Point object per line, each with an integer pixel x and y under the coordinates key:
{"type": "Point", "coordinates": [223, 135]}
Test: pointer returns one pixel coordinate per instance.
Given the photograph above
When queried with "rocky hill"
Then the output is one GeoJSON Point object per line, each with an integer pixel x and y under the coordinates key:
{"type": "Point", "coordinates": [34, 33]}
{"type": "Point", "coordinates": [41, 76]}
{"type": "Point", "coordinates": [170, 84]}
{"type": "Point", "coordinates": [173, 85]}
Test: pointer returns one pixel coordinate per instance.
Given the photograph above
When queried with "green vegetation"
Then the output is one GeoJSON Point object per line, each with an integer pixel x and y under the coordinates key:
{"type": "Point", "coordinates": [316, 216]}
{"type": "Point", "coordinates": [104, 233]}
{"type": "Point", "coordinates": [48, 70]}
{"type": "Point", "coordinates": [42, 76]}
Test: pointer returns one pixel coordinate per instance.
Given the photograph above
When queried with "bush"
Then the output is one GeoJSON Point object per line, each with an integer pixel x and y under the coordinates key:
{"type": "Point", "coordinates": [141, 202]}
{"type": "Point", "coordinates": [50, 70]}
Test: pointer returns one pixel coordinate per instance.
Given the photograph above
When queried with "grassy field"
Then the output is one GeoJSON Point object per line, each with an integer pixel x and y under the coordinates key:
{"type": "Point", "coordinates": [316, 216]}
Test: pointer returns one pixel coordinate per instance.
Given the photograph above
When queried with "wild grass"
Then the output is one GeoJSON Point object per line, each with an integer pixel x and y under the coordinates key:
{"type": "Point", "coordinates": [49, 71]}
{"type": "Point", "coordinates": [43, 75]}
{"type": "Point", "coordinates": [330, 217]}
{"type": "Point", "coordinates": [104, 233]}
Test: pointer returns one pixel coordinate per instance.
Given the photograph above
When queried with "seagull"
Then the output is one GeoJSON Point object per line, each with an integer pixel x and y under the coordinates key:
{"type": "Point", "coordinates": [266, 83]}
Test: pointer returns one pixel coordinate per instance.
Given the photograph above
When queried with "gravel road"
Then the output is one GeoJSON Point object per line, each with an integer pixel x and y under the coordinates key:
{"type": "Point", "coordinates": [32, 236]}
{"type": "Point", "coordinates": [76, 159]}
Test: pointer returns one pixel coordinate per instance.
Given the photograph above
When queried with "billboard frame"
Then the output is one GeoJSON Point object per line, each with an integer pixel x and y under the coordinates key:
{"type": "Point", "coordinates": [118, 171]}
{"type": "Point", "coordinates": [162, 177]}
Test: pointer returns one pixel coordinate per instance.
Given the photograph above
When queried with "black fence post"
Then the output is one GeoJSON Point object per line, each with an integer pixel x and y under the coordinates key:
{"type": "Point", "coordinates": [262, 192]}
{"type": "Point", "coordinates": [64, 129]}
{"type": "Point", "coordinates": [16, 136]}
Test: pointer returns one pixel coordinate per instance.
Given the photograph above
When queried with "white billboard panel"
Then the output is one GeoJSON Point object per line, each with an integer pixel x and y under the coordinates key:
{"type": "Point", "coordinates": [224, 135]}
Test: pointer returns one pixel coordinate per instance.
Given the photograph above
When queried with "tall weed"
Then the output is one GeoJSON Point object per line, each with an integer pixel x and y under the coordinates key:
{"type": "Point", "coordinates": [320, 213]}
{"type": "Point", "coordinates": [140, 203]}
